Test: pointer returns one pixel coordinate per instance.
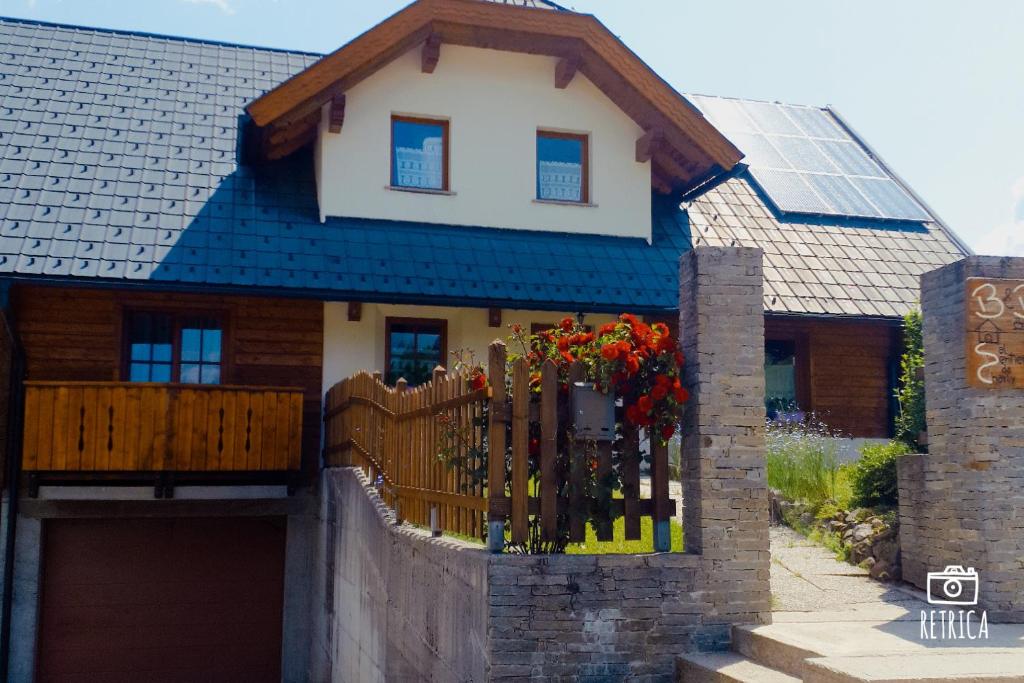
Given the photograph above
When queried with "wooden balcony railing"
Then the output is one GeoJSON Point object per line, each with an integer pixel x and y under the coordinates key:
{"type": "Point", "coordinates": [135, 427]}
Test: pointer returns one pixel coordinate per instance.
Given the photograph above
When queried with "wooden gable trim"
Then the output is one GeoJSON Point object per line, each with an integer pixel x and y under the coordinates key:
{"type": "Point", "coordinates": [602, 58]}
{"type": "Point", "coordinates": [647, 145]}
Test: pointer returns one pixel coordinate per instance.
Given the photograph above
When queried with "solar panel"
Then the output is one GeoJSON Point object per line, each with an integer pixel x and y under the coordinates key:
{"type": "Point", "coordinates": [806, 162]}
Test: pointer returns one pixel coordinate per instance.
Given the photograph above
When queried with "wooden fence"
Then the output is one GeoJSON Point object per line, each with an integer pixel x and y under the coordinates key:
{"type": "Point", "coordinates": [396, 434]}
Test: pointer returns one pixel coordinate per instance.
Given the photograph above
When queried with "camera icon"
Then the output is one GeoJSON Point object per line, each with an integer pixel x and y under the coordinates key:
{"type": "Point", "coordinates": [953, 586]}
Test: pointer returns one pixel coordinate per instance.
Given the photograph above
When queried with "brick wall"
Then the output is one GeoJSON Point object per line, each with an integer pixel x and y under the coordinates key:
{"type": "Point", "coordinates": [962, 503]}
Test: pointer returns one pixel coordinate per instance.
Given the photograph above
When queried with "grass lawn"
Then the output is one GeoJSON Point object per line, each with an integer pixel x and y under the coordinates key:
{"type": "Point", "coordinates": [620, 546]}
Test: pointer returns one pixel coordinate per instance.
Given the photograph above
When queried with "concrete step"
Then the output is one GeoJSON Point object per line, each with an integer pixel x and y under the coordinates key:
{"type": "Point", "coordinates": [726, 667]}
{"type": "Point", "coordinates": [760, 645]}
{"type": "Point", "coordinates": [963, 666]}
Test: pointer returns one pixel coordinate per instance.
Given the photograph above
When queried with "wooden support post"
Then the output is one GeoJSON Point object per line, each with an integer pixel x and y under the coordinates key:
{"type": "Point", "coordinates": [355, 311]}
{"type": "Point", "coordinates": [496, 447]}
{"type": "Point", "coordinates": [431, 53]}
{"type": "Point", "coordinates": [565, 70]}
{"type": "Point", "coordinates": [520, 450]}
{"type": "Point", "coordinates": [604, 529]}
{"type": "Point", "coordinates": [435, 524]}
{"type": "Point", "coordinates": [337, 113]}
{"type": "Point", "coordinates": [494, 317]}
{"type": "Point", "coordinates": [548, 450]}
{"type": "Point", "coordinates": [659, 492]}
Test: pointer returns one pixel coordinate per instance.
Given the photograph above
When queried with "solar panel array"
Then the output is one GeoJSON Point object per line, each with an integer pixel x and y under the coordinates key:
{"type": "Point", "coordinates": [807, 163]}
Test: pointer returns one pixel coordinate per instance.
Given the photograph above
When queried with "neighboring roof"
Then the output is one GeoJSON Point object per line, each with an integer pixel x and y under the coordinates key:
{"type": "Point", "coordinates": [119, 166]}
{"type": "Point", "coordinates": [823, 266]}
{"type": "Point", "coordinates": [687, 149]}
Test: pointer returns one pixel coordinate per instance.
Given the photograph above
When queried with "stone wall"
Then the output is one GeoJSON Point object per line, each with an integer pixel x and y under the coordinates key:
{"type": "Point", "coordinates": [962, 503]}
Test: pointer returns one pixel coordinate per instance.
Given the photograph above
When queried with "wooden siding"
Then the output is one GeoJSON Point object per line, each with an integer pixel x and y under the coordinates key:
{"type": "Point", "coordinates": [75, 334]}
{"type": "Point", "coordinates": [843, 370]}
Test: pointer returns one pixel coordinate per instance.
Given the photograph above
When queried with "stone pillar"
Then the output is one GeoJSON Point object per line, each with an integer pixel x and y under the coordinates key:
{"type": "Point", "coordinates": [725, 493]}
{"type": "Point", "coordinates": [967, 493]}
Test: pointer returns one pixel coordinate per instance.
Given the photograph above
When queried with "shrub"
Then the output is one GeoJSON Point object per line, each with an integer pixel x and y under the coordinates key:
{"type": "Point", "coordinates": [802, 460]}
{"type": "Point", "coordinates": [910, 394]}
{"type": "Point", "coordinates": [873, 477]}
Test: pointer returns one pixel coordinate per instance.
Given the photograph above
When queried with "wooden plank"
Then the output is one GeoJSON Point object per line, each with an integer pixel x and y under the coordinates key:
{"type": "Point", "coordinates": [659, 478]}
{"type": "Point", "coordinates": [520, 449]}
{"type": "Point", "coordinates": [431, 53]}
{"type": "Point", "coordinates": [577, 474]}
{"type": "Point", "coordinates": [57, 439]}
{"type": "Point", "coordinates": [549, 451]}
{"type": "Point", "coordinates": [91, 432]}
{"type": "Point", "coordinates": [565, 71]}
{"type": "Point", "coordinates": [496, 354]}
{"type": "Point", "coordinates": [254, 432]}
{"type": "Point", "coordinates": [30, 459]}
{"type": "Point", "coordinates": [994, 333]}
{"type": "Point", "coordinates": [144, 399]}
{"type": "Point", "coordinates": [293, 459]}
{"type": "Point", "coordinates": [603, 528]}
{"type": "Point", "coordinates": [120, 434]}
{"type": "Point", "coordinates": [631, 483]}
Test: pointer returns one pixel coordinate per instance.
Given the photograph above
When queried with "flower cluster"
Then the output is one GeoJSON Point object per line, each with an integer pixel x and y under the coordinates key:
{"type": "Point", "coordinates": [641, 363]}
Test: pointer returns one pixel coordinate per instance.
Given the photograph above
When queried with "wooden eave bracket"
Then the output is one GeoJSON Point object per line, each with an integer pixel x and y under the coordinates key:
{"type": "Point", "coordinates": [648, 144]}
{"type": "Point", "coordinates": [565, 70]}
{"type": "Point", "coordinates": [337, 113]}
{"type": "Point", "coordinates": [431, 53]}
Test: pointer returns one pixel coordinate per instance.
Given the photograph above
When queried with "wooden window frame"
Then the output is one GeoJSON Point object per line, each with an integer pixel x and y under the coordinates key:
{"type": "Point", "coordinates": [584, 139]}
{"type": "Point", "coordinates": [802, 366]}
{"type": "Point", "coordinates": [177, 314]}
{"type": "Point", "coordinates": [445, 152]}
{"type": "Point", "coordinates": [390, 321]}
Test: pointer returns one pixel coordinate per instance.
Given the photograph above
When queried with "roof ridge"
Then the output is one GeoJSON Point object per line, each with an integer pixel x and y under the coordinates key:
{"type": "Point", "coordinates": [158, 36]}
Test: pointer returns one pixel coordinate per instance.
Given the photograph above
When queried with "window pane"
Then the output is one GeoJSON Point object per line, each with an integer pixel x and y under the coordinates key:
{"type": "Point", "coordinates": [211, 346]}
{"type": "Point", "coordinates": [141, 351]}
{"type": "Point", "coordinates": [190, 374]}
{"type": "Point", "coordinates": [162, 353]}
{"type": "Point", "coordinates": [559, 168]}
{"type": "Point", "coordinates": [414, 351]}
{"type": "Point", "coordinates": [780, 378]}
{"type": "Point", "coordinates": [190, 343]}
{"type": "Point", "coordinates": [418, 154]}
{"type": "Point", "coordinates": [139, 372]}
{"type": "Point", "coordinates": [160, 373]}
{"type": "Point", "coordinates": [210, 374]}
{"type": "Point", "coordinates": [429, 343]}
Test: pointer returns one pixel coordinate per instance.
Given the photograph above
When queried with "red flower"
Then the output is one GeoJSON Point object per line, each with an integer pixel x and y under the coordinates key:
{"type": "Point", "coordinates": [609, 351]}
{"type": "Point", "coordinates": [645, 404]}
{"type": "Point", "coordinates": [534, 446]}
{"type": "Point", "coordinates": [633, 414]}
{"type": "Point", "coordinates": [629, 318]}
{"type": "Point", "coordinates": [681, 395]}
{"type": "Point", "coordinates": [661, 329]}
{"type": "Point", "coordinates": [563, 343]}
{"type": "Point", "coordinates": [567, 324]}
{"type": "Point", "coordinates": [667, 431]}
{"type": "Point", "coordinates": [632, 364]}
{"type": "Point", "coordinates": [607, 328]}
{"type": "Point", "coordinates": [679, 358]}
{"type": "Point", "coordinates": [567, 357]}
{"type": "Point", "coordinates": [478, 380]}
{"type": "Point", "coordinates": [662, 380]}
{"type": "Point", "coordinates": [517, 328]}
{"type": "Point", "coordinates": [623, 347]}
{"type": "Point", "coordinates": [659, 391]}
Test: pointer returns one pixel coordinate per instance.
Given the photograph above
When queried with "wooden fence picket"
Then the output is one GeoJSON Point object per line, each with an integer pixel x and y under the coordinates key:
{"type": "Point", "coordinates": [548, 450]}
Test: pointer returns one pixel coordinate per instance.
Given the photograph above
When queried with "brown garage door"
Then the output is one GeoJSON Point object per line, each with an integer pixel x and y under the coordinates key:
{"type": "Point", "coordinates": [183, 599]}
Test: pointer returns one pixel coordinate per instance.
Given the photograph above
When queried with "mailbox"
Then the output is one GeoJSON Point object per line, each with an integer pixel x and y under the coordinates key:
{"type": "Point", "coordinates": [593, 412]}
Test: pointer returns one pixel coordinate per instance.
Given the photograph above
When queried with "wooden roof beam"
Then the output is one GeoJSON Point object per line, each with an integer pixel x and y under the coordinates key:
{"type": "Point", "coordinates": [337, 114]}
{"type": "Point", "coordinates": [431, 53]}
{"type": "Point", "coordinates": [565, 70]}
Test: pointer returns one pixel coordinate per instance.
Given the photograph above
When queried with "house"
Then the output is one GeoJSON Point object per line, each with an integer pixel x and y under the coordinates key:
{"type": "Point", "coordinates": [197, 239]}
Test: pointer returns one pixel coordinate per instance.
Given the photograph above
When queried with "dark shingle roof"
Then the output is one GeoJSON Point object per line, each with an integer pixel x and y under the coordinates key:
{"type": "Point", "coordinates": [119, 164]}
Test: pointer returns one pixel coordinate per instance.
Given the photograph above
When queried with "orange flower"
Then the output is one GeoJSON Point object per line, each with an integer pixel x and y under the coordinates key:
{"type": "Point", "coordinates": [607, 328]}
{"type": "Point", "coordinates": [609, 352]}
{"type": "Point", "coordinates": [632, 364]}
{"type": "Point", "coordinates": [563, 343]}
{"type": "Point", "coordinates": [567, 357]}
{"type": "Point", "coordinates": [661, 329]}
{"type": "Point", "coordinates": [567, 324]}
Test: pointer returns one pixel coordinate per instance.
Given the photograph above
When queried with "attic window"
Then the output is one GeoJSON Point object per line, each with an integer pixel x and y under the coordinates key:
{"type": "Point", "coordinates": [419, 153]}
{"type": "Point", "coordinates": [562, 167]}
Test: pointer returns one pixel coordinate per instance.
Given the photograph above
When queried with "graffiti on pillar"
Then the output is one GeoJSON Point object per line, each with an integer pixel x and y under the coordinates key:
{"type": "Point", "coordinates": [995, 333]}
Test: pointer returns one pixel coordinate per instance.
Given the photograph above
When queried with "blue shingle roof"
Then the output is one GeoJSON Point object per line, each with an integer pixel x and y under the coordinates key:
{"type": "Point", "coordinates": [121, 162]}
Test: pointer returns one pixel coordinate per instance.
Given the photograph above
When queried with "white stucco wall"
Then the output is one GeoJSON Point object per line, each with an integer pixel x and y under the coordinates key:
{"type": "Point", "coordinates": [351, 346]}
{"type": "Point", "coordinates": [495, 102]}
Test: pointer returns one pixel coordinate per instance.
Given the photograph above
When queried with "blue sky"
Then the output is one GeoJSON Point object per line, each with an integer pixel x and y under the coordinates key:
{"type": "Point", "coordinates": [935, 86]}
